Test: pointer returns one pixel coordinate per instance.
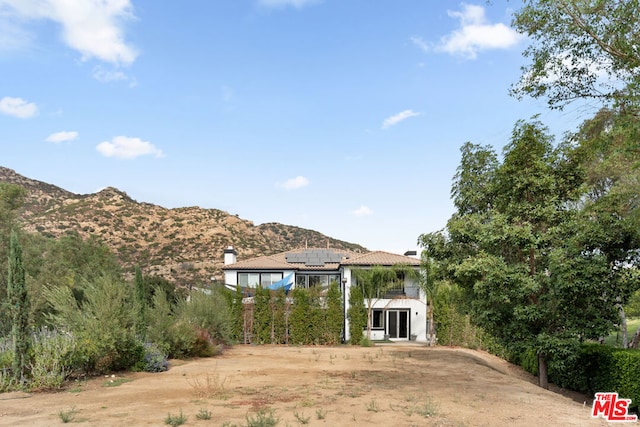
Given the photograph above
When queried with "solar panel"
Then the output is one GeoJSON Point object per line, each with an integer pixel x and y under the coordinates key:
{"type": "Point", "coordinates": [314, 257]}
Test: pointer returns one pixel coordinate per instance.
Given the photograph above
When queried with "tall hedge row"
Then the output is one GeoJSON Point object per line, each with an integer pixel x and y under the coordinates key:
{"type": "Point", "coordinates": [601, 368]}
{"type": "Point", "coordinates": [301, 317]}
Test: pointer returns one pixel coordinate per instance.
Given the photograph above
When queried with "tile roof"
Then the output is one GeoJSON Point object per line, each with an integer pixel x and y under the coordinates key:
{"type": "Point", "coordinates": [381, 258]}
{"type": "Point", "coordinates": [279, 261]}
{"type": "Point", "coordinates": [311, 259]}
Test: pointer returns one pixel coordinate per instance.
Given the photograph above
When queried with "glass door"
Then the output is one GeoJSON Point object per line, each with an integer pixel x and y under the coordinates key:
{"type": "Point", "coordinates": [398, 324]}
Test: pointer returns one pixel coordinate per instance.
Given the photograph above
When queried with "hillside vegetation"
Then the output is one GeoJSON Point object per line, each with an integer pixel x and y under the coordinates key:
{"type": "Point", "coordinates": [184, 245]}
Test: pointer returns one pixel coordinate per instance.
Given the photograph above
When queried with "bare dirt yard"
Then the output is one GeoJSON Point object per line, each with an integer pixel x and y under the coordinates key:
{"type": "Point", "coordinates": [385, 385]}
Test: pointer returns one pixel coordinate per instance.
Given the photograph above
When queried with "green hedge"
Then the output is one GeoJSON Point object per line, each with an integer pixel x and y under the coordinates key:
{"type": "Point", "coordinates": [601, 368]}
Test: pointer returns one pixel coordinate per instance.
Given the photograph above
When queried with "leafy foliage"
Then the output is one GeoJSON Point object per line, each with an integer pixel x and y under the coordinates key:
{"type": "Point", "coordinates": [334, 314]}
{"type": "Point", "coordinates": [595, 368]}
{"type": "Point", "coordinates": [518, 249]}
{"type": "Point", "coordinates": [18, 308]}
{"type": "Point", "coordinates": [357, 315]}
{"type": "Point", "coordinates": [579, 50]}
{"type": "Point", "coordinates": [102, 324]}
{"type": "Point", "coordinates": [52, 359]}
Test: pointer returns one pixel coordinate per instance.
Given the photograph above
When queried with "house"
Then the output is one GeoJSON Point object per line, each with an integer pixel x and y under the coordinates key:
{"type": "Point", "coordinates": [400, 314]}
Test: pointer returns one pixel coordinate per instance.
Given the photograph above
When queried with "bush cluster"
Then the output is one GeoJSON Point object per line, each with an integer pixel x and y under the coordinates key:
{"type": "Point", "coordinates": [600, 368]}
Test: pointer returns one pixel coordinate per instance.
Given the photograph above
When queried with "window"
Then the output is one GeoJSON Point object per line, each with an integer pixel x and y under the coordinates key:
{"type": "Point", "coordinates": [267, 279]}
{"type": "Point", "coordinates": [251, 280]}
{"type": "Point", "coordinates": [248, 280]}
{"type": "Point", "coordinates": [302, 282]}
{"type": "Point", "coordinates": [321, 280]}
{"type": "Point", "coordinates": [316, 280]}
{"type": "Point", "coordinates": [377, 319]}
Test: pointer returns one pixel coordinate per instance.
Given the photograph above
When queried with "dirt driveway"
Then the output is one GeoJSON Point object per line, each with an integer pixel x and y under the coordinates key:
{"type": "Point", "coordinates": [386, 385]}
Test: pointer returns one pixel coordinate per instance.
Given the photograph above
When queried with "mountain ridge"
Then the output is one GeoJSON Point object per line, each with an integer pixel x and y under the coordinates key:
{"type": "Point", "coordinates": [184, 245]}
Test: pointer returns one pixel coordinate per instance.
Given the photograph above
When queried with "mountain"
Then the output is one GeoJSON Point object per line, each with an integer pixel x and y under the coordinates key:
{"type": "Point", "coordinates": [184, 245]}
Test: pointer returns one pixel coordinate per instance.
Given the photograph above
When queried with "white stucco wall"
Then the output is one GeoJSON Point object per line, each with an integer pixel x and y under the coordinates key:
{"type": "Point", "coordinates": [415, 301]}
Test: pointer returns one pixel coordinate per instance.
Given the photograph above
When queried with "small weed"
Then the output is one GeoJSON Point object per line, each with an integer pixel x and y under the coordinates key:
{"type": "Point", "coordinates": [301, 418]}
{"type": "Point", "coordinates": [263, 418]}
{"type": "Point", "coordinates": [68, 416]}
{"type": "Point", "coordinates": [203, 414]}
{"type": "Point", "coordinates": [426, 407]}
{"type": "Point", "coordinates": [372, 406]}
{"type": "Point", "coordinates": [308, 401]}
{"type": "Point", "coordinates": [321, 414]}
{"type": "Point", "coordinates": [115, 382]}
{"type": "Point", "coordinates": [176, 420]}
{"type": "Point", "coordinates": [211, 385]}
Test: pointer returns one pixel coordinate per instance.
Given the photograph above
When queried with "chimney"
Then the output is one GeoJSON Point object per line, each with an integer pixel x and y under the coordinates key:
{"type": "Point", "coordinates": [230, 255]}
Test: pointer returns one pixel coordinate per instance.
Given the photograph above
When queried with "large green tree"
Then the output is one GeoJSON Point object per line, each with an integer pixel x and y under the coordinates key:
{"type": "Point", "coordinates": [513, 246]}
{"type": "Point", "coordinates": [608, 151]}
{"type": "Point", "coordinates": [581, 49]}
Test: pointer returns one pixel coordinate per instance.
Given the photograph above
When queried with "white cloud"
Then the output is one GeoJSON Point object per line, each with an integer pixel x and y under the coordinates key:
{"type": "Point", "coordinates": [394, 120]}
{"type": "Point", "coordinates": [418, 41]}
{"type": "Point", "coordinates": [106, 76]}
{"type": "Point", "coordinates": [295, 183]}
{"type": "Point", "coordinates": [95, 28]}
{"type": "Point", "coordinates": [18, 107]}
{"type": "Point", "coordinates": [298, 4]}
{"type": "Point", "coordinates": [124, 147]}
{"type": "Point", "coordinates": [62, 136]}
{"type": "Point", "coordinates": [362, 211]}
{"type": "Point", "coordinates": [475, 34]}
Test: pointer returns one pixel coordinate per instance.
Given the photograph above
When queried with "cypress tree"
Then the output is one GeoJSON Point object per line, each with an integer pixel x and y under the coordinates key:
{"type": "Point", "coordinates": [334, 314]}
{"type": "Point", "coordinates": [141, 305]}
{"type": "Point", "coordinates": [299, 317]}
{"type": "Point", "coordinates": [357, 314]}
{"type": "Point", "coordinates": [19, 308]}
{"type": "Point", "coordinates": [261, 316]}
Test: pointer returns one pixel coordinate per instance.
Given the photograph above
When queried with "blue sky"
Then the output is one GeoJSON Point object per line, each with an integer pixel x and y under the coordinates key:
{"type": "Point", "coordinates": [342, 116]}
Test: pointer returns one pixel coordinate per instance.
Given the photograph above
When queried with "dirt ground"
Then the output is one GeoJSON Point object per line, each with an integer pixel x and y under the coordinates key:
{"type": "Point", "coordinates": [386, 385]}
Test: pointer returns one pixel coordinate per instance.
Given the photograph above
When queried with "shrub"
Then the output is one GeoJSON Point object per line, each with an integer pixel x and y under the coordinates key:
{"type": "Point", "coordinates": [299, 327]}
{"type": "Point", "coordinates": [153, 360]}
{"type": "Point", "coordinates": [102, 324]}
{"type": "Point", "coordinates": [52, 359]}
{"type": "Point", "coordinates": [357, 314]}
{"type": "Point", "coordinates": [601, 368]}
{"type": "Point", "coordinates": [208, 312]}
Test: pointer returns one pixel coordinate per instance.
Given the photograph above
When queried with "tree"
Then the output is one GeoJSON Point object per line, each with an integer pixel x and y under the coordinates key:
{"type": "Point", "coordinates": [607, 150]}
{"type": "Point", "coordinates": [261, 316]}
{"type": "Point", "coordinates": [11, 199]}
{"type": "Point", "coordinates": [357, 314]}
{"type": "Point", "coordinates": [300, 329]}
{"type": "Point", "coordinates": [581, 50]}
{"type": "Point", "coordinates": [518, 253]}
{"type": "Point", "coordinates": [141, 295]}
{"type": "Point", "coordinates": [430, 283]}
{"type": "Point", "coordinates": [374, 282]}
{"type": "Point", "coordinates": [334, 314]}
{"type": "Point", "coordinates": [19, 309]}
